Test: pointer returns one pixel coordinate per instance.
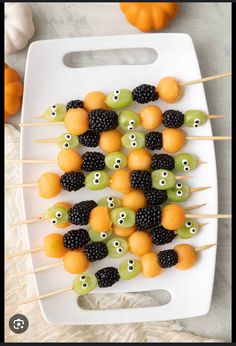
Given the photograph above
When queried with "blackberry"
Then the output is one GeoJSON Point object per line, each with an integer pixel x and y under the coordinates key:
{"type": "Point", "coordinates": [167, 258]}
{"type": "Point", "coordinates": [155, 197]}
{"type": "Point", "coordinates": [93, 161]}
{"type": "Point", "coordinates": [161, 236]}
{"type": "Point", "coordinates": [153, 140]}
{"type": "Point", "coordinates": [79, 213]}
{"type": "Point", "coordinates": [148, 217]}
{"type": "Point", "coordinates": [173, 119]}
{"type": "Point", "coordinates": [102, 120]}
{"type": "Point", "coordinates": [89, 139]}
{"type": "Point", "coordinates": [72, 181]}
{"type": "Point", "coordinates": [140, 180]}
{"type": "Point", "coordinates": [95, 251]}
{"type": "Point", "coordinates": [145, 93]}
{"type": "Point", "coordinates": [74, 104]}
{"type": "Point", "coordinates": [163, 161]}
{"type": "Point", "coordinates": [107, 277]}
{"type": "Point", "coordinates": [76, 238]}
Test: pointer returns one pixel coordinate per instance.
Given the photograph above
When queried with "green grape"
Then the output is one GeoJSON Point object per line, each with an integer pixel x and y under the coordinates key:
{"type": "Point", "coordinates": [119, 98]}
{"type": "Point", "coordinates": [185, 162]}
{"type": "Point", "coordinates": [189, 229]}
{"type": "Point", "coordinates": [110, 202]}
{"type": "Point", "coordinates": [129, 269]}
{"type": "Point", "coordinates": [129, 120]}
{"type": "Point", "coordinates": [163, 179]}
{"type": "Point", "coordinates": [179, 193]}
{"type": "Point", "coordinates": [194, 118]}
{"type": "Point", "coordinates": [56, 112]}
{"type": "Point", "coordinates": [56, 215]}
{"type": "Point", "coordinates": [115, 160]}
{"type": "Point", "coordinates": [97, 180]}
{"type": "Point", "coordinates": [85, 283]}
{"type": "Point", "coordinates": [124, 217]}
{"type": "Point", "coordinates": [134, 139]}
{"type": "Point", "coordinates": [100, 236]}
{"type": "Point", "coordinates": [117, 247]}
{"type": "Point", "coordinates": [67, 141]}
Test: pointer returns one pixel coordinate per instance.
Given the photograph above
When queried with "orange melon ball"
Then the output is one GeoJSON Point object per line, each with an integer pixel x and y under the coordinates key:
{"type": "Point", "coordinates": [123, 232]}
{"type": "Point", "coordinates": [49, 185]}
{"type": "Point", "coordinates": [53, 245]}
{"type": "Point", "coordinates": [139, 159]}
{"type": "Point", "coordinates": [172, 217]}
{"type": "Point", "coordinates": [120, 181]}
{"type": "Point", "coordinates": [134, 200]}
{"type": "Point", "coordinates": [75, 262]}
{"type": "Point", "coordinates": [187, 256]}
{"type": "Point", "coordinates": [99, 219]}
{"type": "Point", "coordinates": [169, 90]}
{"type": "Point", "coordinates": [151, 117]}
{"type": "Point", "coordinates": [110, 141]}
{"type": "Point", "coordinates": [76, 121]}
{"type": "Point", "coordinates": [140, 242]}
{"type": "Point", "coordinates": [173, 140]}
{"type": "Point", "coordinates": [150, 265]}
{"type": "Point", "coordinates": [66, 206]}
{"type": "Point", "coordinates": [95, 100]}
{"type": "Point", "coordinates": [69, 160]}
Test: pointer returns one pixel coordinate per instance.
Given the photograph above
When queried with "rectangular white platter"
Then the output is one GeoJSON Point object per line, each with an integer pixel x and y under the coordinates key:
{"type": "Point", "coordinates": [49, 81]}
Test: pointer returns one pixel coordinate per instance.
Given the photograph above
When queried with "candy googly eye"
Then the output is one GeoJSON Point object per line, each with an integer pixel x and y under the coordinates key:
{"type": "Point", "coordinates": [192, 230]}
{"type": "Point", "coordinates": [58, 214]}
{"type": "Point", "coordinates": [131, 122]}
{"type": "Point", "coordinates": [119, 250]}
{"type": "Point", "coordinates": [84, 285]}
{"type": "Point", "coordinates": [162, 182]}
{"type": "Point", "coordinates": [116, 243]}
{"type": "Point", "coordinates": [130, 127]}
{"type": "Point", "coordinates": [68, 136]}
{"type": "Point", "coordinates": [164, 174]}
{"type": "Point", "coordinates": [53, 114]}
{"type": "Point", "coordinates": [116, 166]}
{"type": "Point", "coordinates": [123, 215]}
{"type": "Point", "coordinates": [111, 205]}
{"type": "Point", "coordinates": [82, 278]}
{"type": "Point", "coordinates": [103, 235]}
{"type": "Point", "coordinates": [132, 137]}
{"type": "Point", "coordinates": [97, 175]}
{"type": "Point", "coordinates": [109, 199]}
{"type": "Point", "coordinates": [120, 221]}
{"type": "Point", "coordinates": [133, 144]}
{"type": "Point", "coordinates": [96, 181]}
{"type": "Point", "coordinates": [184, 162]}
{"type": "Point", "coordinates": [130, 268]}
{"type": "Point", "coordinates": [53, 108]}
{"type": "Point", "coordinates": [131, 262]}
{"type": "Point", "coordinates": [66, 145]}
{"type": "Point", "coordinates": [53, 221]}
{"type": "Point", "coordinates": [115, 98]}
{"type": "Point", "coordinates": [178, 186]}
{"type": "Point", "coordinates": [117, 92]}
{"type": "Point", "coordinates": [118, 160]}
{"type": "Point", "coordinates": [188, 224]}
{"type": "Point", "coordinates": [186, 168]}
{"type": "Point", "coordinates": [197, 121]}
{"type": "Point", "coordinates": [179, 193]}
{"type": "Point", "coordinates": [195, 125]}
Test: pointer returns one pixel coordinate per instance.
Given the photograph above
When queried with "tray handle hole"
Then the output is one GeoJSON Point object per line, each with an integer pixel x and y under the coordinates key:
{"type": "Point", "coordinates": [122, 56]}
{"type": "Point", "coordinates": [107, 301]}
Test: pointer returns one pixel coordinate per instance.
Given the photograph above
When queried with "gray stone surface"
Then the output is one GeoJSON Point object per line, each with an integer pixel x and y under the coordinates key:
{"type": "Point", "coordinates": [209, 24]}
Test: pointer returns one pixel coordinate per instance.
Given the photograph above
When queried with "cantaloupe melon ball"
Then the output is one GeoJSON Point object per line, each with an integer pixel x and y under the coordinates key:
{"type": "Point", "coordinates": [169, 89]}
{"type": "Point", "coordinates": [69, 160]}
{"type": "Point", "coordinates": [140, 242]}
{"type": "Point", "coordinates": [95, 100]}
{"type": "Point", "coordinates": [53, 245]}
{"type": "Point", "coordinates": [187, 256]}
{"type": "Point", "coordinates": [99, 219]}
{"type": "Point", "coordinates": [151, 117]}
{"type": "Point", "coordinates": [123, 232]}
{"type": "Point", "coordinates": [173, 140]}
{"type": "Point", "coordinates": [134, 200]}
{"type": "Point", "coordinates": [139, 159]}
{"type": "Point", "coordinates": [110, 141]}
{"type": "Point", "coordinates": [49, 185]}
{"type": "Point", "coordinates": [66, 206]}
{"type": "Point", "coordinates": [76, 121]}
{"type": "Point", "coordinates": [120, 181]}
{"type": "Point", "coordinates": [172, 217]}
{"type": "Point", "coordinates": [150, 265]}
{"type": "Point", "coordinates": [75, 262]}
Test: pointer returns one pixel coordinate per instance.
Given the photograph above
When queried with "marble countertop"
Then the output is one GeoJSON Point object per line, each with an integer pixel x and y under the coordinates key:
{"type": "Point", "coordinates": [209, 24]}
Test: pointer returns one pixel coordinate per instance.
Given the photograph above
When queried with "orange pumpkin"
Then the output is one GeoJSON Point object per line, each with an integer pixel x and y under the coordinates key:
{"type": "Point", "coordinates": [13, 90]}
{"type": "Point", "coordinates": [148, 16]}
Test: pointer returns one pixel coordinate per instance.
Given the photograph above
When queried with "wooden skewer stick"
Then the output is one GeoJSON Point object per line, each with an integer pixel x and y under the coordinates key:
{"type": "Point", "coordinates": [21, 185]}
{"type": "Point", "coordinates": [203, 224]}
{"type": "Point", "coordinates": [195, 206]}
{"type": "Point", "coordinates": [36, 219]}
{"type": "Point", "coordinates": [214, 116]}
{"type": "Point", "coordinates": [201, 162]}
{"type": "Point", "coordinates": [31, 161]}
{"type": "Point", "coordinates": [182, 177]}
{"type": "Point", "coordinates": [41, 124]}
{"type": "Point", "coordinates": [46, 140]}
{"type": "Point", "coordinates": [213, 138]}
{"type": "Point", "coordinates": [46, 295]}
{"type": "Point", "coordinates": [209, 216]}
{"type": "Point", "coordinates": [205, 79]}
{"type": "Point", "coordinates": [37, 270]}
{"type": "Point", "coordinates": [195, 189]}
{"type": "Point", "coordinates": [25, 252]}
{"type": "Point", "coordinates": [204, 247]}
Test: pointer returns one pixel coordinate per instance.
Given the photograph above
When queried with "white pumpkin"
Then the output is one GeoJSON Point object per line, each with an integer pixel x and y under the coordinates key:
{"type": "Point", "coordinates": [19, 26]}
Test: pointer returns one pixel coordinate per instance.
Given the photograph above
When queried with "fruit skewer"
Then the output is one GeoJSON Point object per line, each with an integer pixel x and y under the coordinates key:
{"type": "Point", "coordinates": [183, 257]}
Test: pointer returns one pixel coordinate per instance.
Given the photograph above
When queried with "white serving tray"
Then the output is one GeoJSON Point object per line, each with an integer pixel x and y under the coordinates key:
{"type": "Point", "coordinates": [49, 81]}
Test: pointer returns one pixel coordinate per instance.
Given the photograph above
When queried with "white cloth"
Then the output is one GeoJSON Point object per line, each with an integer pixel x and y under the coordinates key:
{"type": "Point", "coordinates": [18, 289]}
